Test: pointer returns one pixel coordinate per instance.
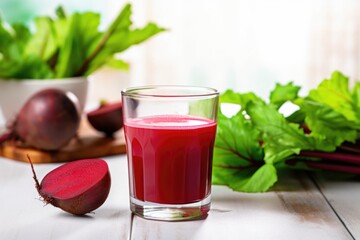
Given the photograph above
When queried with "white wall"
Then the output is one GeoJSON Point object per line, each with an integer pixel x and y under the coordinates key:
{"type": "Point", "coordinates": [248, 45]}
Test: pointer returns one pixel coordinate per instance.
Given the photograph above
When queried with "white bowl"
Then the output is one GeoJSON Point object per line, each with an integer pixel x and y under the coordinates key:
{"type": "Point", "coordinates": [14, 93]}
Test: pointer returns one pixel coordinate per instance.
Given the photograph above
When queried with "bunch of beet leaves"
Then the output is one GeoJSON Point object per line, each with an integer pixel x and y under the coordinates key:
{"type": "Point", "coordinates": [68, 45]}
{"type": "Point", "coordinates": [322, 134]}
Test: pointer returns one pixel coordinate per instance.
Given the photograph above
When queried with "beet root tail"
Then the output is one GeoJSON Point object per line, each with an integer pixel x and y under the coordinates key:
{"type": "Point", "coordinates": [37, 184]}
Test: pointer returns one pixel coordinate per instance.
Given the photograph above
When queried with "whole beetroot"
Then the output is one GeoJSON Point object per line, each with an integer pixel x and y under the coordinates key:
{"type": "Point", "coordinates": [48, 120]}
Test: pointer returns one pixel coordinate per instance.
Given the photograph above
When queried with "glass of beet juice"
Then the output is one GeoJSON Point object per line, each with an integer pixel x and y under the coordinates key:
{"type": "Point", "coordinates": [170, 133]}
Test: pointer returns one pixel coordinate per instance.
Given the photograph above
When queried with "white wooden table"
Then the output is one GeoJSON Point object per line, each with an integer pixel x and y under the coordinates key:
{"type": "Point", "coordinates": [298, 208]}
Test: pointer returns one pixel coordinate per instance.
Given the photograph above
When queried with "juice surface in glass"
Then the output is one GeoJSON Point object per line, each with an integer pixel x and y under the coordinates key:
{"type": "Point", "coordinates": [170, 158]}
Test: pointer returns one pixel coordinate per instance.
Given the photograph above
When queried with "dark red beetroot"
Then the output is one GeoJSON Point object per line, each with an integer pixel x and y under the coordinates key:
{"type": "Point", "coordinates": [107, 118]}
{"type": "Point", "coordinates": [77, 187]}
{"type": "Point", "coordinates": [48, 120]}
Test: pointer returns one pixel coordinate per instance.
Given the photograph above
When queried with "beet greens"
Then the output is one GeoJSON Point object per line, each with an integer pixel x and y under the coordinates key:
{"type": "Point", "coordinates": [321, 135]}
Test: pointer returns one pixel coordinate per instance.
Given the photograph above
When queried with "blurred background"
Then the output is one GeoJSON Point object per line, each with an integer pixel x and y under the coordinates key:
{"type": "Point", "coordinates": [245, 45]}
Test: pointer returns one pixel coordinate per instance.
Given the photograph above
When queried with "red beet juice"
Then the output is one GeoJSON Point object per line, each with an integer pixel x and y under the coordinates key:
{"type": "Point", "coordinates": [170, 158]}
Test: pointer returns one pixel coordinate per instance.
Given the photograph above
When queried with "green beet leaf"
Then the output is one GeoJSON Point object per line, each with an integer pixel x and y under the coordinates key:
{"type": "Point", "coordinates": [12, 41]}
{"type": "Point", "coordinates": [81, 32]}
{"type": "Point", "coordinates": [328, 125]}
{"type": "Point", "coordinates": [32, 67]}
{"type": "Point", "coordinates": [68, 45]}
{"type": "Point", "coordinates": [13, 62]}
{"type": "Point", "coordinates": [335, 93]}
{"type": "Point", "coordinates": [118, 37]}
{"type": "Point", "coordinates": [237, 142]}
{"type": "Point", "coordinates": [356, 94]}
{"type": "Point", "coordinates": [281, 138]}
{"type": "Point", "coordinates": [116, 63]}
{"type": "Point", "coordinates": [242, 99]}
{"type": "Point", "coordinates": [332, 111]}
{"type": "Point", "coordinates": [247, 180]}
{"type": "Point", "coordinates": [283, 93]}
{"type": "Point", "coordinates": [43, 43]}
{"type": "Point", "coordinates": [238, 155]}
{"type": "Point", "coordinates": [26, 68]}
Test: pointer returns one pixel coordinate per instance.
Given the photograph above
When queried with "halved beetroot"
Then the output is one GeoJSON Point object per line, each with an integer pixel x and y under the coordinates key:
{"type": "Point", "coordinates": [77, 187]}
{"type": "Point", "coordinates": [107, 118]}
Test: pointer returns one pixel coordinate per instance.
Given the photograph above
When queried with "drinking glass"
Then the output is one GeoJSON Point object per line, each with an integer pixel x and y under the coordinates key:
{"type": "Point", "coordinates": [170, 133]}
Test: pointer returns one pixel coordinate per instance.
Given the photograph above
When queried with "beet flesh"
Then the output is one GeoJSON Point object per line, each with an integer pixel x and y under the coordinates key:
{"type": "Point", "coordinates": [107, 118]}
{"type": "Point", "coordinates": [48, 120]}
{"type": "Point", "coordinates": [77, 187]}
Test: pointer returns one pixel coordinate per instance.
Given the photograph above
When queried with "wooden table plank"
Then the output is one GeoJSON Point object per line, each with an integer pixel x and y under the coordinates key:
{"type": "Point", "coordinates": [295, 209]}
{"type": "Point", "coordinates": [344, 197]}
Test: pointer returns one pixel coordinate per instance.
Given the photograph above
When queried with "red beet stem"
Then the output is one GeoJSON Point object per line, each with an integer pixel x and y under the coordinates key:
{"type": "Point", "coordinates": [351, 147]}
{"type": "Point", "coordinates": [332, 156]}
{"type": "Point", "coordinates": [334, 167]}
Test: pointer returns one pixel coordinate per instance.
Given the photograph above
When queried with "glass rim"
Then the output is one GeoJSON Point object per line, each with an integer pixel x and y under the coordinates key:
{"type": "Point", "coordinates": [203, 91]}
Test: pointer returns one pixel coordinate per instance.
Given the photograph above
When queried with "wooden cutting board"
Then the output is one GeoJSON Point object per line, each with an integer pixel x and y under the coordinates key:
{"type": "Point", "coordinates": [89, 144]}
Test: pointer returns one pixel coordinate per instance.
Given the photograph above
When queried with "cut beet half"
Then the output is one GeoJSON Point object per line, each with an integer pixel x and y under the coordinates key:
{"type": "Point", "coordinates": [107, 118]}
{"type": "Point", "coordinates": [77, 187]}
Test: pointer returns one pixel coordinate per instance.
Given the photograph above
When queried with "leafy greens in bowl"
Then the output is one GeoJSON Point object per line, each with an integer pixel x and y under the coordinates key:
{"type": "Point", "coordinates": [68, 45]}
